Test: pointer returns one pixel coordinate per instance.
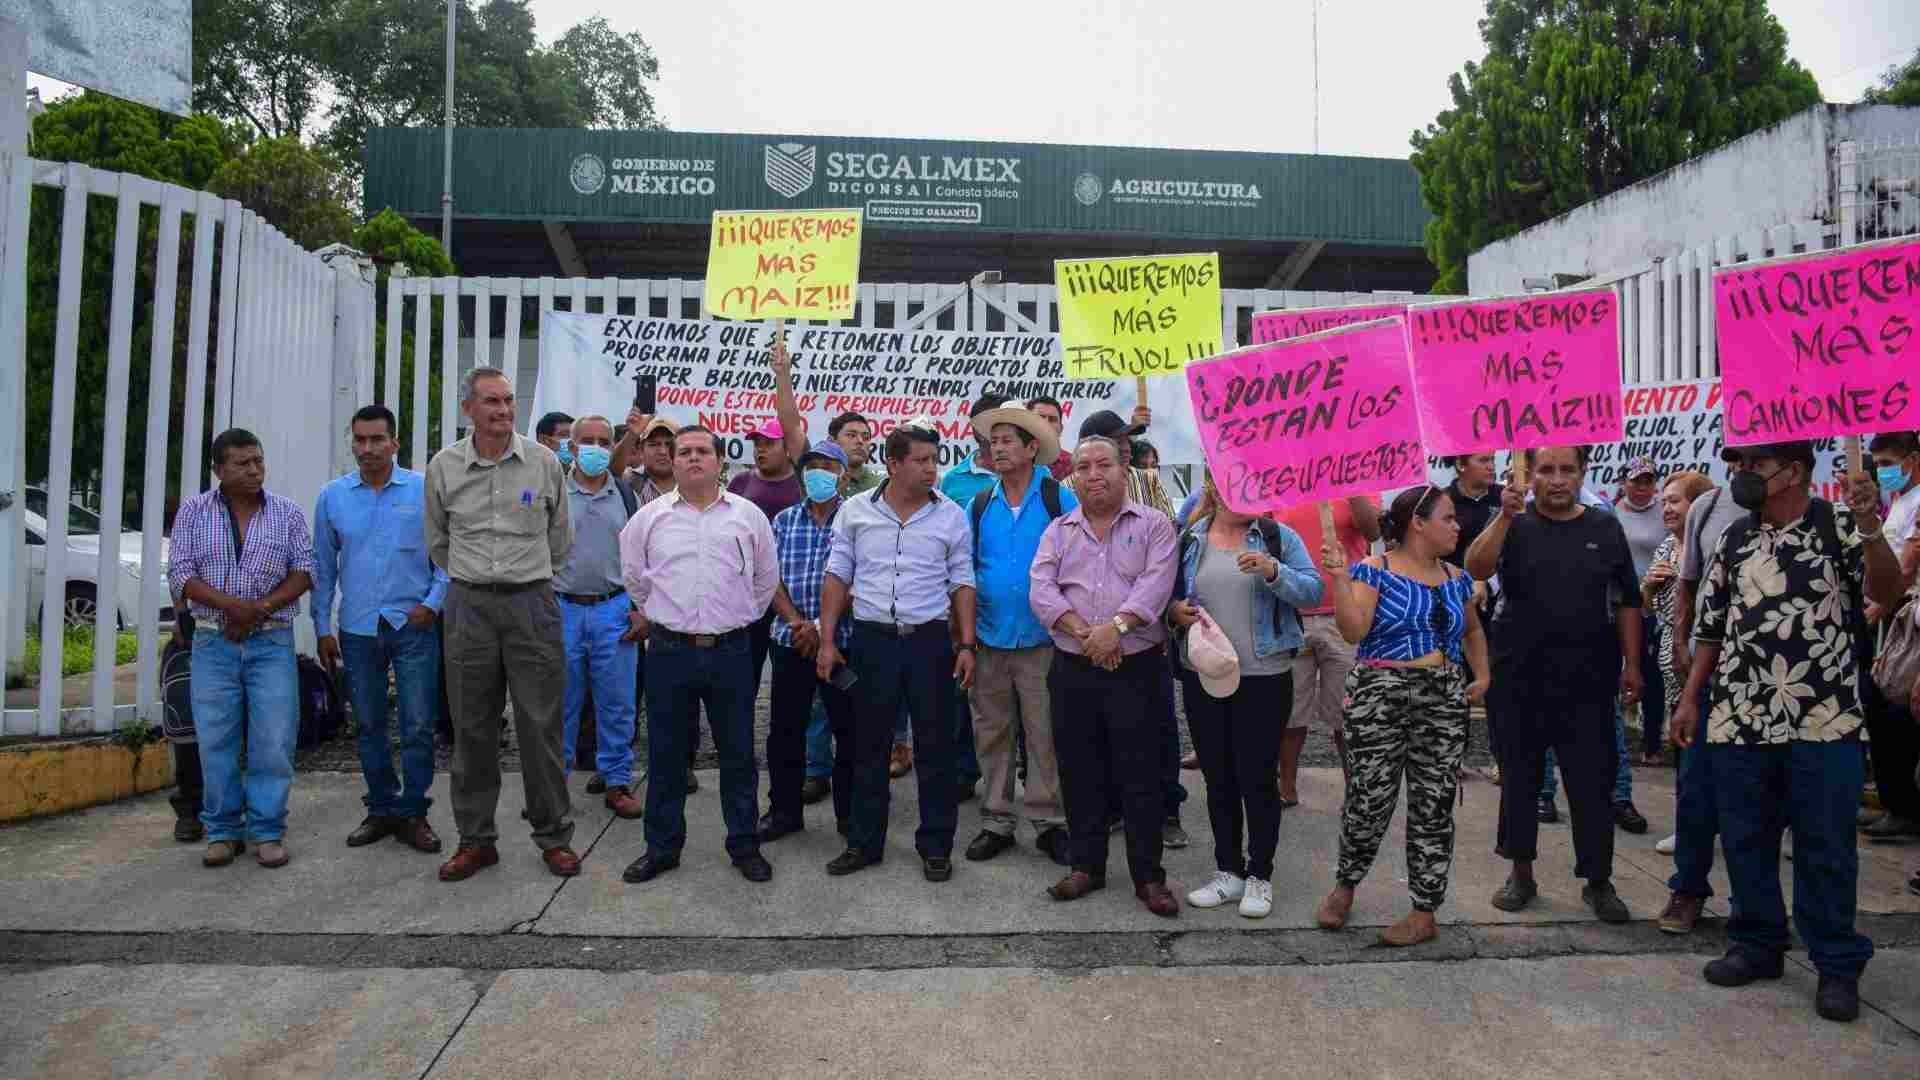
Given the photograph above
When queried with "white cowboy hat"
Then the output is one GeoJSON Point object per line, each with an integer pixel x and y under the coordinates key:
{"type": "Point", "coordinates": [1047, 444]}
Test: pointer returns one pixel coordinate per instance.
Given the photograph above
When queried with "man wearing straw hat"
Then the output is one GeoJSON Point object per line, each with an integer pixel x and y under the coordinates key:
{"type": "Point", "coordinates": [1010, 676]}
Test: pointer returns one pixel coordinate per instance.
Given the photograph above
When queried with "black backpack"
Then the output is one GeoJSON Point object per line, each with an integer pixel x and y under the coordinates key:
{"type": "Point", "coordinates": [322, 706]}
{"type": "Point", "coordinates": [1049, 498]}
{"type": "Point", "coordinates": [627, 496]}
{"type": "Point", "coordinates": [1820, 512]}
{"type": "Point", "coordinates": [1269, 535]}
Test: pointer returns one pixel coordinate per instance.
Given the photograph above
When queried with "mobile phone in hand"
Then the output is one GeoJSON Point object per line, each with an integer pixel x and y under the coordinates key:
{"type": "Point", "coordinates": [842, 677]}
{"type": "Point", "coordinates": [645, 392]}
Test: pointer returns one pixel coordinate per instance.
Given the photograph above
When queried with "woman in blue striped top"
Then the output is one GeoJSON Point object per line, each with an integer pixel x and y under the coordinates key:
{"type": "Point", "coordinates": [1407, 700]}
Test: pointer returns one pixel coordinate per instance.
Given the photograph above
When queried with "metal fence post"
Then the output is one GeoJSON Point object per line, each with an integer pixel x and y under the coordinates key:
{"type": "Point", "coordinates": [16, 186]}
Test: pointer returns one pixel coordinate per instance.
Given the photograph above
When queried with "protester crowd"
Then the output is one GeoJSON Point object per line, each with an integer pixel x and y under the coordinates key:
{"type": "Point", "coordinates": [1015, 629]}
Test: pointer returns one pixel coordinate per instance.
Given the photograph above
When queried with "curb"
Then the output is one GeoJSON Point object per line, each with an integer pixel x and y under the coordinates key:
{"type": "Point", "coordinates": [41, 779]}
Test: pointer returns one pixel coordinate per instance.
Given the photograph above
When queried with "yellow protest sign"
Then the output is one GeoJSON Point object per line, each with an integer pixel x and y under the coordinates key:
{"type": "Point", "coordinates": [1137, 317]}
{"type": "Point", "coordinates": [783, 264]}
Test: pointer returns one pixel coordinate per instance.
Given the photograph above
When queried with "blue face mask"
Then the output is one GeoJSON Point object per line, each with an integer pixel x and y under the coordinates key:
{"type": "Point", "coordinates": [822, 486]}
{"type": "Point", "coordinates": [1892, 478]}
{"type": "Point", "coordinates": [564, 452]}
{"type": "Point", "coordinates": [594, 459]}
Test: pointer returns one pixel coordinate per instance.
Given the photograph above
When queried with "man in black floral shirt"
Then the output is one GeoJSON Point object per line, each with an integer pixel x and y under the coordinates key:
{"type": "Point", "coordinates": [1779, 604]}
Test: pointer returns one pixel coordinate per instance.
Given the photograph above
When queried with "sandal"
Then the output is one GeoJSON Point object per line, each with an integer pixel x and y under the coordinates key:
{"type": "Point", "coordinates": [1404, 934]}
{"type": "Point", "coordinates": [1334, 910]}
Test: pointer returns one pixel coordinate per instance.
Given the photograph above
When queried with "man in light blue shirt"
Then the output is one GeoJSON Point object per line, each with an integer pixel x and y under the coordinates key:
{"type": "Point", "coordinates": [370, 539]}
{"type": "Point", "coordinates": [1016, 651]}
{"type": "Point", "coordinates": [969, 477]}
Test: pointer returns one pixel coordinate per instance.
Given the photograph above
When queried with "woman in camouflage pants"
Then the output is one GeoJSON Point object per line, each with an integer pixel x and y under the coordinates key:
{"type": "Point", "coordinates": [1413, 619]}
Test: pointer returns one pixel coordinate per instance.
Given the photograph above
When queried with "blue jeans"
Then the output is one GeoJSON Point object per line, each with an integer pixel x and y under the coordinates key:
{"type": "Point", "coordinates": [1814, 789]}
{"type": "Point", "coordinates": [596, 658]}
{"type": "Point", "coordinates": [679, 677]}
{"type": "Point", "coordinates": [1696, 820]}
{"type": "Point", "coordinates": [1622, 769]}
{"type": "Point", "coordinates": [413, 655]}
{"type": "Point", "coordinates": [246, 692]}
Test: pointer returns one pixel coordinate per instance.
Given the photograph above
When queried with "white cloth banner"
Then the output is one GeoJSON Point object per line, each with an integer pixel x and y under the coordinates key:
{"type": "Point", "coordinates": [715, 374]}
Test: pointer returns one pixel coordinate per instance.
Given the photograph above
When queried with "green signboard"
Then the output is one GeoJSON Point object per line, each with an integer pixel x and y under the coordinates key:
{"type": "Point", "coordinates": [677, 177]}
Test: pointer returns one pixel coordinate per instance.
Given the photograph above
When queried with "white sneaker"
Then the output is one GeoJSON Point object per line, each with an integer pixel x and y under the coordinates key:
{"type": "Point", "coordinates": [1258, 902]}
{"type": "Point", "coordinates": [1223, 888]}
{"type": "Point", "coordinates": [1665, 847]}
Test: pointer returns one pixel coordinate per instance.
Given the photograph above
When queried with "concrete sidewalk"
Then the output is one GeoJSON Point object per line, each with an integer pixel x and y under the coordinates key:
{"type": "Point", "coordinates": [360, 962]}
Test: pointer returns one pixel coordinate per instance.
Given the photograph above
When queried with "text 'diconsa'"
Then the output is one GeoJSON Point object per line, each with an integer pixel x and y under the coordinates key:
{"type": "Point", "coordinates": [790, 168]}
{"type": "Point", "coordinates": [588, 174]}
{"type": "Point", "coordinates": [1087, 189]}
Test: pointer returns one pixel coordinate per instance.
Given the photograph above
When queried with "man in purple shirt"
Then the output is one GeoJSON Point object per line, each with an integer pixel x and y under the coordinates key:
{"type": "Point", "coordinates": [241, 558]}
{"type": "Point", "coordinates": [1101, 581]}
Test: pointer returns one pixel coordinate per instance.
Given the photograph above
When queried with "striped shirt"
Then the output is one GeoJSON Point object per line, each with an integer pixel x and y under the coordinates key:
{"type": "Point", "coordinates": [802, 545]}
{"type": "Point", "coordinates": [1404, 619]}
{"type": "Point", "coordinates": [277, 543]}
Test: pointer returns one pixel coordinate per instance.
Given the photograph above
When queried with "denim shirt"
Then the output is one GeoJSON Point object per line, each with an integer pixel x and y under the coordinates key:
{"type": "Point", "coordinates": [1296, 586]}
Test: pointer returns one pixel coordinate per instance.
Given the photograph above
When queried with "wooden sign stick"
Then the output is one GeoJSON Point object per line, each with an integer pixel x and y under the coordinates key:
{"type": "Point", "coordinates": [1520, 466]}
{"type": "Point", "coordinates": [1856, 460]}
{"type": "Point", "coordinates": [1140, 388]}
{"type": "Point", "coordinates": [1329, 537]}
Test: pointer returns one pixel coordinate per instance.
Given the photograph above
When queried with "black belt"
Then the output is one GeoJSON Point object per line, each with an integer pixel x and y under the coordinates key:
{"type": "Point", "coordinates": [697, 641]}
{"type": "Point", "coordinates": [590, 599]}
{"type": "Point", "coordinates": [503, 587]}
{"type": "Point", "coordinates": [903, 630]}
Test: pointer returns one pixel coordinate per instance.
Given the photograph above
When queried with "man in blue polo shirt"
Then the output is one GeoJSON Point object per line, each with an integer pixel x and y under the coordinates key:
{"type": "Point", "coordinates": [1010, 676]}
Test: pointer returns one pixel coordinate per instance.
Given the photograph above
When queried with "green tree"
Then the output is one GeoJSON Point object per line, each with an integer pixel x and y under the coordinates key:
{"type": "Point", "coordinates": [253, 62]}
{"type": "Point", "coordinates": [297, 189]}
{"type": "Point", "coordinates": [1899, 85]}
{"type": "Point", "coordinates": [1576, 99]}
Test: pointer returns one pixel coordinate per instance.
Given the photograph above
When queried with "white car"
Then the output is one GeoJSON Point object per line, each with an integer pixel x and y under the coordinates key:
{"type": "Point", "coordinates": [83, 564]}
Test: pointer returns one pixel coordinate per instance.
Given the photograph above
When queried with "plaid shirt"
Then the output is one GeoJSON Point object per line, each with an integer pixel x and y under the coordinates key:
{"type": "Point", "coordinates": [802, 546]}
{"type": "Point", "coordinates": [277, 543]}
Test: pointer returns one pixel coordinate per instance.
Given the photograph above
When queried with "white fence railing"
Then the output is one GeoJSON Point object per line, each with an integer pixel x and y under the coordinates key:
{"type": "Point", "coordinates": [255, 315]}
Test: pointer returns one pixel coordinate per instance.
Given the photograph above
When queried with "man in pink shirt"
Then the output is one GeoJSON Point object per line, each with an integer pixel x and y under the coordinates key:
{"type": "Point", "coordinates": [699, 564]}
{"type": "Point", "coordinates": [1101, 581]}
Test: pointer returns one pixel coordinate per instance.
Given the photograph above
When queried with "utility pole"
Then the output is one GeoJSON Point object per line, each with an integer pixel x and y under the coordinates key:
{"type": "Point", "coordinates": [1316, 76]}
{"type": "Point", "coordinates": [446, 168]}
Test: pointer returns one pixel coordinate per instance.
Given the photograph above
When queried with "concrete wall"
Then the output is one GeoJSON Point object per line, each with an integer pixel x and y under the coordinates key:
{"type": "Point", "coordinates": [1771, 177]}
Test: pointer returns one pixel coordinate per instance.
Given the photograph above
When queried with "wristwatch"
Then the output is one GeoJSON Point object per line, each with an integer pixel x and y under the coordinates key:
{"type": "Point", "coordinates": [967, 646]}
{"type": "Point", "coordinates": [1120, 624]}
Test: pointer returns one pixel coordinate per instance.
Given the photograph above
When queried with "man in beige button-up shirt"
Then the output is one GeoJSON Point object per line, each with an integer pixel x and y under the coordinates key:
{"type": "Point", "coordinates": [497, 522]}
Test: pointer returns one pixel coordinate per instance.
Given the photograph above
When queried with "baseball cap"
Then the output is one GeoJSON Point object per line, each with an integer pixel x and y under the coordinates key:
{"type": "Point", "coordinates": [826, 448]}
{"type": "Point", "coordinates": [657, 424]}
{"type": "Point", "coordinates": [1789, 452]}
{"type": "Point", "coordinates": [1213, 658]}
{"type": "Point", "coordinates": [770, 429]}
{"type": "Point", "coordinates": [1641, 466]}
{"type": "Point", "coordinates": [1108, 423]}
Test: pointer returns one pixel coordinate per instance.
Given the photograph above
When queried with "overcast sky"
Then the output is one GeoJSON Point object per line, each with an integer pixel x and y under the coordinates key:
{"type": "Point", "coordinates": [1200, 74]}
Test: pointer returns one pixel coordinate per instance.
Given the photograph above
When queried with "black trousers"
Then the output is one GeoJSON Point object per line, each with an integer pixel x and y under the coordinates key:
{"type": "Point", "coordinates": [1580, 734]}
{"type": "Point", "coordinates": [917, 670]}
{"type": "Point", "coordinates": [186, 773]}
{"type": "Point", "coordinates": [794, 686]}
{"type": "Point", "coordinates": [1893, 745]}
{"type": "Point", "coordinates": [1109, 737]}
{"type": "Point", "coordinates": [1237, 739]}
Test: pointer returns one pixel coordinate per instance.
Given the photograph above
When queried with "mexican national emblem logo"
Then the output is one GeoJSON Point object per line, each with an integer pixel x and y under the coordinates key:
{"type": "Point", "coordinates": [790, 168]}
{"type": "Point", "coordinates": [1087, 189]}
{"type": "Point", "coordinates": [588, 174]}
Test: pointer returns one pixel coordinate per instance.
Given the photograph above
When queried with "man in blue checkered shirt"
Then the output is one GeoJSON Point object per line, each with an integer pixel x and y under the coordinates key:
{"type": "Point", "coordinates": [802, 540]}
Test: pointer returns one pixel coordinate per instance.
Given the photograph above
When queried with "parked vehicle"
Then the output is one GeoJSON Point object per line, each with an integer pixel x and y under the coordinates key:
{"type": "Point", "coordinates": [82, 566]}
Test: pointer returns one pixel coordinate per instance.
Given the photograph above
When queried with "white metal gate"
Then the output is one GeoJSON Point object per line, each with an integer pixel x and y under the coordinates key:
{"type": "Point", "coordinates": [265, 321]}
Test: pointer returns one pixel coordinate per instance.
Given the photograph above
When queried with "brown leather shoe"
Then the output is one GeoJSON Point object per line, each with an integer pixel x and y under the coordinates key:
{"type": "Point", "coordinates": [1414, 928]}
{"type": "Point", "coordinates": [1076, 885]}
{"type": "Point", "coordinates": [561, 861]}
{"type": "Point", "coordinates": [468, 861]}
{"type": "Point", "coordinates": [900, 762]}
{"type": "Point", "coordinates": [222, 852]}
{"type": "Point", "coordinates": [417, 834]}
{"type": "Point", "coordinates": [1681, 913]}
{"type": "Point", "coordinates": [272, 854]}
{"type": "Point", "coordinates": [1158, 898]}
{"type": "Point", "coordinates": [621, 800]}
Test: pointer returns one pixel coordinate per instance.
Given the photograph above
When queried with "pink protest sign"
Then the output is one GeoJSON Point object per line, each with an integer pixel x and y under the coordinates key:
{"type": "Point", "coordinates": [1299, 322]}
{"type": "Point", "coordinates": [1517, 373]}
{"type": "Point", "coordinates": [1814, 346]}
{"type": "Point", "coordinates": [1313, 418]}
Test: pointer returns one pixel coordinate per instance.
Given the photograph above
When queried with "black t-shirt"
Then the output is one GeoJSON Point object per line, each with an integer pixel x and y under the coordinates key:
{"type": "Point", "coordinates": [1474, 516]}
{"type": "Point", "coordinates": [1563, 582]}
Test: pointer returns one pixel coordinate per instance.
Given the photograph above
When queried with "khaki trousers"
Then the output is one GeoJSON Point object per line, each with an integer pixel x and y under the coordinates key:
{"type": "Point", "coordinates": [1009, 686]}
{"type": "Point", "coordinates": [500, 644]}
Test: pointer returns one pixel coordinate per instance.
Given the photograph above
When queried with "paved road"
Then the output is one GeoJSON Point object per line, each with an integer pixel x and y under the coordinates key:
{"type": "Point", "coordinates": [119, 955]}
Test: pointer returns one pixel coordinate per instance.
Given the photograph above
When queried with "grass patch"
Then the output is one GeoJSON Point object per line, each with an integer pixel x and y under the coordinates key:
{"type": "Point", "coordinates": [76, 653]}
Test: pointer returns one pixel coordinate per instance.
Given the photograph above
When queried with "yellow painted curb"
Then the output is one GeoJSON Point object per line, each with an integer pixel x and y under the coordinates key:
{"type": "Point", "coordinates": [52, 779]}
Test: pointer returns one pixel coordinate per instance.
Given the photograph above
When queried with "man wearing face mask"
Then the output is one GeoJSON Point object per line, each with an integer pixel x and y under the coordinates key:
{"type": "Point", "coordinates": [1782, 627]}
{"type": "Point", "coordinates": [802, 541]}
{"type": "Point", "coordinates": [1892, 740]}
{"type": "Point", "coordinates": [601, 650]}
{"type": "Point", "coordinates": [555, 432]}
{"type": "Point", "coordinates": [1569, 641]}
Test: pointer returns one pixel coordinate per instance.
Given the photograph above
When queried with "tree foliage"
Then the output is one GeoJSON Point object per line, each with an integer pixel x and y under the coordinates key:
{"type": "Point", "coordinates": [297, 189]}
{"type": "Point", "coordinates": [1898, 85]}
{"type": "Point", "coordinates": [1576, 99]}
{"type": "Point", "coordinates": [330, 70]}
